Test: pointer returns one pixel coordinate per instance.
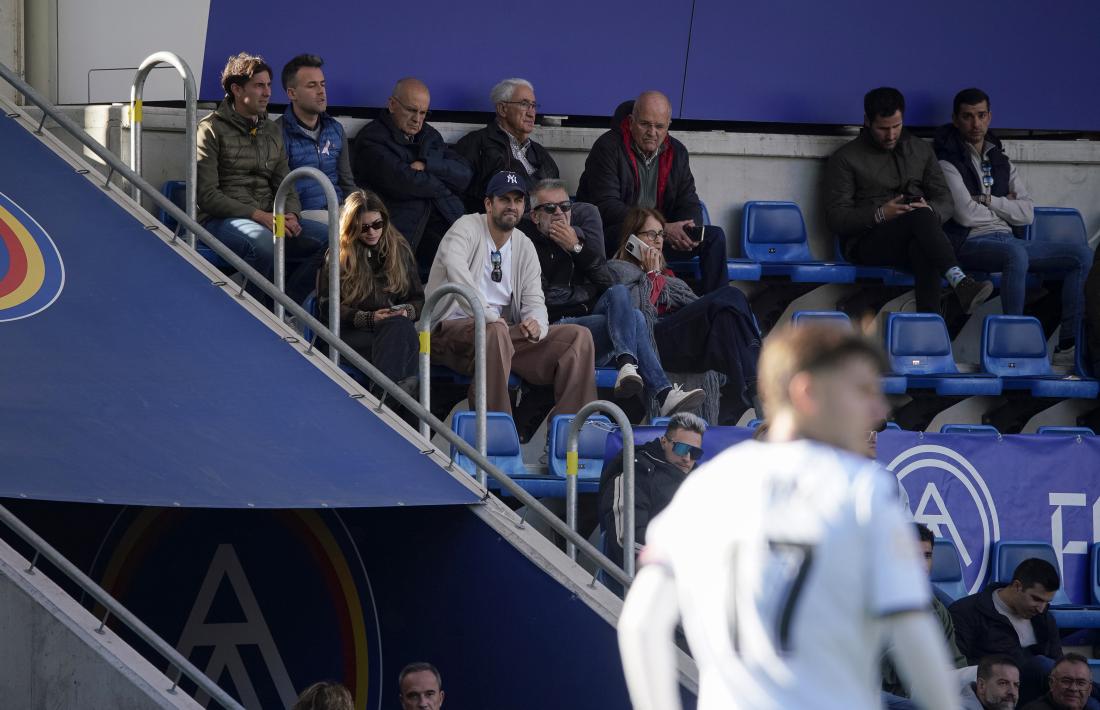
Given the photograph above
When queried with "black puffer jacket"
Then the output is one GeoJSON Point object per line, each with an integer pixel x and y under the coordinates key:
{"type": "Point", "coordinates": [488, 152]}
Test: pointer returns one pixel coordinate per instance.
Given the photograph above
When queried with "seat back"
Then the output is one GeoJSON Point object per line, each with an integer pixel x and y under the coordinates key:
{"type": "Point", "coordinates": [1014, 346]}
{"type": "Point", "coordinates": [1065, 431]}
{"type": "Point", "coordinates": [893, 426]}
{"type": "Point", "coordinates": [918, 344]}
{"type": "Point", "coordinates": [986, 429]}
{"type": "Point", "coordinates": [774, 232]}
{"type": "Point", "coordinates": [309, 306]}
{"type": "Point", "coordinates": [947, 571]}
{"type": "Point", "coordinates": [1058, 224]}
{"type": "Point", "coordinates": [1008, 554]}
{"type": "Point", "coordinates": [823, 317]}
{"type": "Point", "coordinates": [502, 441]}
{"type": "Point", "coordinates": [591, 443]}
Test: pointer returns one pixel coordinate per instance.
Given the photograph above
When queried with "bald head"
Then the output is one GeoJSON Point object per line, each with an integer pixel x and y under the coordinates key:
{"type": "Point", "coordinates": [649, 121]}
{"type": "Point", "coordinates": [409, 104]}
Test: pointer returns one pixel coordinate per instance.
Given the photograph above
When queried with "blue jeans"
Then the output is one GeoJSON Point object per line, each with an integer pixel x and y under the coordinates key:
{"type": "Point", "coordinates": [1014, 258]}
{"type": "Point", "coordinates": [618, 328]}
{"type": "Point", "coordinates": [256, 245]}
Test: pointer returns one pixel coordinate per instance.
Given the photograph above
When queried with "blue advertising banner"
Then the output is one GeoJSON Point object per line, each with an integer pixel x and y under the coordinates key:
{"type": "Point", "coordinates": [976, 490]}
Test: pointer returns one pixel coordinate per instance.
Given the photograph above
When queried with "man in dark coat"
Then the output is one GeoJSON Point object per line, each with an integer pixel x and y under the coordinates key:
{"type": "Point", "coordinates": [406, 162]}
{"type": "Point", "coordinates": [505, 144]}
{"type": "Point", "coordinates": [637, 163]}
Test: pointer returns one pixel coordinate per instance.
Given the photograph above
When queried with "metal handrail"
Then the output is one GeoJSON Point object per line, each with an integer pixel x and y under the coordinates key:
{"type": "Point", "coordinates": [333, 203]}
{"type": "Point", "coordinates": [116, 609]}
{"type": "Point", "coordinates": [191, 101]}
{"type": "Point", "coordinates": [425, 329]}
{"type": "Point", "coordinates": [575, 425]}
{"type": "Point", "coordinates": [322, 332]}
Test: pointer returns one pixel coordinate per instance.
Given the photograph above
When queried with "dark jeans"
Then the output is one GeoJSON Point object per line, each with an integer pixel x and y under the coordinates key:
{"type": "Point", "coordinates": [1014, 258]}
{"type": "Point", "coordinates": [256, 245]}
{"type": "Point", "coordinates": [712, 259]}
{"type": "Point", "coordinates": [392, 347]}
{"type": "Point", "coordinates": [913, 242]}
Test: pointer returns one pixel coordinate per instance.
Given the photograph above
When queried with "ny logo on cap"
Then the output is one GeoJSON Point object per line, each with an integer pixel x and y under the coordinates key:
{"type": "Point", "coordinates": [512, 178]}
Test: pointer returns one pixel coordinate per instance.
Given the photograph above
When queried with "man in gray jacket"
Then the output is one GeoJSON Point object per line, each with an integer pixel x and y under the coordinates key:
{"type": "Point", "coordinates": [885, 196]}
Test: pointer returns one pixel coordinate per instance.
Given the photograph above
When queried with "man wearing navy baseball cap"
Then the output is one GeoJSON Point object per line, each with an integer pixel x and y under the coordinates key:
{"type": "Point", "coordinates": [486, 253]}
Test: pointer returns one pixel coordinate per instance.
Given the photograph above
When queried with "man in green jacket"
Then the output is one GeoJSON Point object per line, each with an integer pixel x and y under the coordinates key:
{"type": "Point", "coordinates": [241, 162]}
{"type": "Point", "coordinates": [886, 197]}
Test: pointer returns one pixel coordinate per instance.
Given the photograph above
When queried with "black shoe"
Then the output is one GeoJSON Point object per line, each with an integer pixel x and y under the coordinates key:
{"type": "Point", "coordinates": [972, 294]}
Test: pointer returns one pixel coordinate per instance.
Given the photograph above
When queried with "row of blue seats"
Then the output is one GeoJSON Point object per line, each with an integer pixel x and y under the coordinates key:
{"type": "Point", "coordinates": [949, 585]}
{"type": "Point", "coordinates": [1013, 357]}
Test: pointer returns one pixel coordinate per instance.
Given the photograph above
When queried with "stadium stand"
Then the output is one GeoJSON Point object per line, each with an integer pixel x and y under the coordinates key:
{"type": "Point", "coordinates": [1014, 348]}
{"type": "Point", "coordinates": [1065, 431]}
{"type": "Point", "coordinates": [773, 234]}
{"type": "Point", "coordinates": [827, 317]}
{"type": "Point", "coordinates": [1008, 554]}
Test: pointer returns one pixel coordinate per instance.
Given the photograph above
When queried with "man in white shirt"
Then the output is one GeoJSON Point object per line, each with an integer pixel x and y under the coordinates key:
{"type": "Point", "coordinates": [789, 561]}
{"type": "Point", "coordinates": [992, 207]}
{"type": "Point", "coordinates": [488, 254]}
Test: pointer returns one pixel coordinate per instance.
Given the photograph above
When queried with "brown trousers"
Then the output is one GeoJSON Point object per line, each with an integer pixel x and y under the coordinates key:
{"type": "Point", "coordinates": [564, 358]}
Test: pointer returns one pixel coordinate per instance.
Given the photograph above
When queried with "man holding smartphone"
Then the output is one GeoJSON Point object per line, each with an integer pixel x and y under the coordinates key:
{"type": "Point", "coordinates": [637, 163]}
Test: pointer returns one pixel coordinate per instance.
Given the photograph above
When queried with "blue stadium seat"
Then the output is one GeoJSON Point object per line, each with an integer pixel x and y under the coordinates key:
{"type": "Point", "coordinates": [774, 234]}
{"type": "Point", "coordinates": [754, 424]}
{"type": "Point", "coordinates": [1015, 349]}
{"type": "Point", "coordinates": [1008, 554]}
{"type": "Point", "coordinates": [605, 377]}
{"type": "Point", "coordinates": [503, 450]}
{"type": "Point", "coordinates": [176, 191]}
{"type": "Point", "coordinates": [893, 426]}
{"type": "Point", "coordinates": [919, 349]}
{"type": "Point", "coordinates": [981, 429]}
{"type": "Point", "coordinates": [659, 421]}
{"type": "Point", "coordinates": [1065, 431]}
{"type": "Point", "coordinates": [887, 275]}
{"type": "Point", "coordinates": [826, 317]}
{"type": "Point", "coordinates": [1057, 224]}
{"type": "Point", "coordinates": [947, 571]}
{"type": "Point", "coordinates": [591, 444]}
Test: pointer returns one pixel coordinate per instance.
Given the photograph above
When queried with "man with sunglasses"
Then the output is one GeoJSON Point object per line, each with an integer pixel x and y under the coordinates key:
{"type": "Point", "coordinates": [992, 210]}
{"type": "Point", "coordinates": [637, 163]}
{"type": "Point", "coordinates": [488, 254]}
{"type": "Point", "coordinates": [660, 466]}
{"type": "Point", "coordinates": [406, 161]}
{"type": "Point", "coordinates": [505, 144]}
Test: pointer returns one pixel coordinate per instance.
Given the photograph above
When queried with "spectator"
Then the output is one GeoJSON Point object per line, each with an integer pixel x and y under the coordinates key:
{"type": "Point", "coordinates": [1013, 619]}
{"type": "Point", "coordinates": [380, 291]}
{"type": "Point", "coordinates": [325, 696]}
{"type": "Point", "coordinates": [886, 198]}
{"type": "Point", "coordinates": [505, 144]}
{"type": "Point", "coordinates": [241, 163]}
{"type": "Point", "coordinates": [895, 693]}
{"type": "Point", "coordinates": [715, 332]}
{"type": "Point", "coordinates": [1070, 685]}
{"type": "Point", "coordinates": [486, 253]}
{"type": "Point", "coordinates": [313, 138]}
{"type": "Point", "coordinates": [997, 686]}
{"type": "Point", "coordinates": [406, 161]}
{"type": "Point", "coordinates": [421, 687]}
{"type": "Point", "coordinates": [568, 239]}
{"type": "Point", "coordinates": [992, 207]}
{"type": "Point", "coordinates": [660, 466]}
{"type": "Point", "coordinates": [637, 163]}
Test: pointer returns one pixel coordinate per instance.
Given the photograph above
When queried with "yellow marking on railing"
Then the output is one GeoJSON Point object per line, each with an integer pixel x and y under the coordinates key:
{"type": "Point", "coordinates": [135, 114]}
{"type": "Point", "coordinates": [280, 226]}
{"type": "Point", "coordinates": [425, 342]}
{"type": "Point", "coordinates": [571, 461]}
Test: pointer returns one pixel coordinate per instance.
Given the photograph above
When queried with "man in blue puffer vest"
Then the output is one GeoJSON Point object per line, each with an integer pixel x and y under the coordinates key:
{"type": "Point", "coordinates": [312, 137]}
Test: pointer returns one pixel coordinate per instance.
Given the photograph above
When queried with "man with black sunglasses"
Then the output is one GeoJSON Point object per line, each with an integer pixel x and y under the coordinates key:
{"type": "Point", "coordinates": [660, 466]}
{"type": "Point", "coordinates": [406, 161]}
{"type": "Point", "coordinates": [488, 254]}
{"type": "Point", "coordinates": [992, 210]}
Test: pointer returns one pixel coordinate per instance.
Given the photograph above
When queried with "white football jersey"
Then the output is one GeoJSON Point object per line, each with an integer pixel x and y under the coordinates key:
{"type": "Point", "coordinates": [786, 557]}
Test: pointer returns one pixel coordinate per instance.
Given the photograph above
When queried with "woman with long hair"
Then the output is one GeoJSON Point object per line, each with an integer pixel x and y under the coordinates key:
{"type": "Point", "coordinates": [380, 290]}
{"type": "Point", "coordinates": [693, 334]}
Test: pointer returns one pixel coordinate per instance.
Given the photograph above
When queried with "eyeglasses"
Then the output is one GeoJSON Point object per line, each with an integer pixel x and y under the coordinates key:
{"type": "Point", "coordinates": [551, 207]}
{"type": "Point", "coordinates": [376, 225]}
{"type": "Point", "coordinates": [651, 235]}
{"type": "Point", "coordinates": [525, 105]}
{"type": "Point", "coordinates": [412, 109]}
{"type": "Point", "coordinates": [681, 449]}
{"type": "Point", "coordinates": [987, 174]}
{"type": "Point", "coordinates": [496, 259]}
{"type": "Point", "coordinates": [1074, 683]}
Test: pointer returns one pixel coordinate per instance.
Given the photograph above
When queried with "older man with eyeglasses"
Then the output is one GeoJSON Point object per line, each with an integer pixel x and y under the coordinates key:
{"type": "Point", "coordinates": [488, 254]}
{"type": "Point", "coordinates": [1070, 685]}
{"type": "Point", "coordinates": [405, 160]}
{"type": "Point", "coordinates": [505, 144]}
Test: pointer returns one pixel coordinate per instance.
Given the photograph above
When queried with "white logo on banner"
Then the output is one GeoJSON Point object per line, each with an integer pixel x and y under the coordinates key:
{"type": "Point", "coordinates": [933, 511]}
{"type": "Point", "coordinates": [226, 638]}
{"type": "Point", "coordinates": [1062, 546]}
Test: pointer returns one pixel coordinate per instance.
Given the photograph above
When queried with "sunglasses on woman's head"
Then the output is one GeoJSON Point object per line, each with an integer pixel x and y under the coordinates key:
{"type": "Point", "coordinates": [376, 225]}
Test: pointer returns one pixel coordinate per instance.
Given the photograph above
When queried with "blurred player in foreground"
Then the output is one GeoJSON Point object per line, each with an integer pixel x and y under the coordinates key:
{"type": "Point", "coordinates": [790, 561]}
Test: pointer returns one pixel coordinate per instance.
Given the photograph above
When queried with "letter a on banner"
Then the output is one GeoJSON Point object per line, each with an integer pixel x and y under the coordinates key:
{"type": "Point", "coordinates": [935, 520]}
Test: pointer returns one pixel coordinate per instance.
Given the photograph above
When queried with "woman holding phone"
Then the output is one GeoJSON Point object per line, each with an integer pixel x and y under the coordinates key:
{"type": "Point", "coordinates": [693, 334]}
{"type": "Point", "coordinates": [380, 290]}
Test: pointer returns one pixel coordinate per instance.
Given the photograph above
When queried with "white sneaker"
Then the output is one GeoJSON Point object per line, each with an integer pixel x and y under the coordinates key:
{"type": "Point", "coordinates": [681, 400]}
{"type": "Point", "coordinates": [628, 383]}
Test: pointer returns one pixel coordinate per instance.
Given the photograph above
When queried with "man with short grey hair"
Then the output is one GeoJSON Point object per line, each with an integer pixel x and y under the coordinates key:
{"type": "Point", "coordinates": [505, 144]}
{"type": "Point", "coordinates": [660, 466]}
